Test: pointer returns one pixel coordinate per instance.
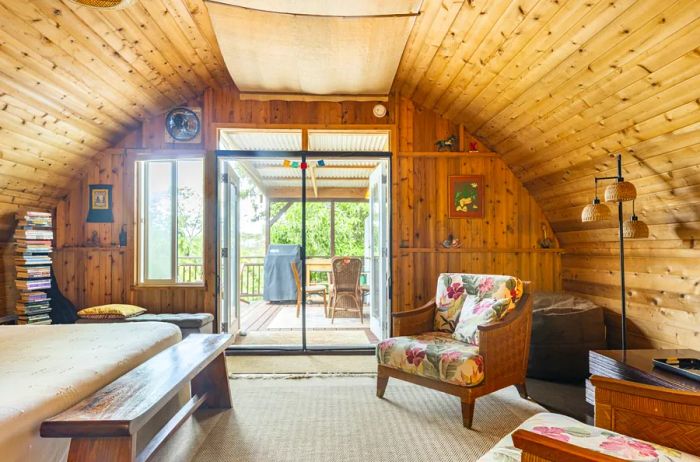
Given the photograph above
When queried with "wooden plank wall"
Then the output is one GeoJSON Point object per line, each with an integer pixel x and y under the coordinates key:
{"type": "Point", "coordinates": [503, 242]}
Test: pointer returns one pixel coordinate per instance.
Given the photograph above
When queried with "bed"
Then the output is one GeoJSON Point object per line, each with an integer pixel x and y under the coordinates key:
{"type": "Point", "coordinates": [46, 369]}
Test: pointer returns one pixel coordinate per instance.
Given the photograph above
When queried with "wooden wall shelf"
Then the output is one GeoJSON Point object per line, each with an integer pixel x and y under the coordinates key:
{"type": "Point", "coordinates": [475, 250]}
{"type": "Point", "coordinates": [448, 154]}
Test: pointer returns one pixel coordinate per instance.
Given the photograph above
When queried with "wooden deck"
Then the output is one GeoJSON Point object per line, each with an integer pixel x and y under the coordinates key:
{"type": "Point", "coordinates": [262, 316]}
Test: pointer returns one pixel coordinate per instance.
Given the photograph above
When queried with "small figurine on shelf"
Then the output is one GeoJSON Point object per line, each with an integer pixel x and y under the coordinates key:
{"type": "Point", "coordinates": [448, 144]}
{"type": "Point", "coordinates": [122, 236]}
{"type": "Point", "coordinates": [546, 242]}
{"type": "Point", "coordinates": [94, 240]}
{"type": "Point", "coordinates": [451, 242]}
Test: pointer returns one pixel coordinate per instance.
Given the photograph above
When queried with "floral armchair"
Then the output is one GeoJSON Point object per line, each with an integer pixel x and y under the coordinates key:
{"type": "Point", "coordinates": [472, 339]}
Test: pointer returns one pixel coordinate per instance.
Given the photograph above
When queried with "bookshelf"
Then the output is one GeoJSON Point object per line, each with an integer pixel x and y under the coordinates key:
{"type": "Point", "coordinates": [33, 239]}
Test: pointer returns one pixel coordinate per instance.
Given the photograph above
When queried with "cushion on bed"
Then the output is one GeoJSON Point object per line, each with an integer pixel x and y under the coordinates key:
{"type": "Point", "coordinates": [112, 311]}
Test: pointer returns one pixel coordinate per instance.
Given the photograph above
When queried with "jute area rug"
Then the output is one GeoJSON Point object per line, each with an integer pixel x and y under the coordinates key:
{"type": "Point", "coordinates": [340, 419]}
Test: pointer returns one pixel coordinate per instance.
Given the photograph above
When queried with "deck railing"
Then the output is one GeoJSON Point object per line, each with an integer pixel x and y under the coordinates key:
{"type": "Point", "coordinates": [190, 269]}
{"type": "Point", "coordinates": [252, 277]}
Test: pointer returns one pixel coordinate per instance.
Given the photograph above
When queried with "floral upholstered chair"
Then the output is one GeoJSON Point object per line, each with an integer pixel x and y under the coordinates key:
{"type": "Point", "coordinates": [472, 339]}
{"type": "Point", "coordinates": [633, 422]}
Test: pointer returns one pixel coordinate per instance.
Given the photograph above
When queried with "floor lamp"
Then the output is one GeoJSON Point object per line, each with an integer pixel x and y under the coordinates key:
{"type": "Point", "coordinates": [620, 191]}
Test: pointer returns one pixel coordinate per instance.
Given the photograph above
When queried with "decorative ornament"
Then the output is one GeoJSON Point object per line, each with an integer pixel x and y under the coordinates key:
{"type": "Point", "coordinates": [448, 144]}
{"type": "Point", "coordinates": [286, 163]}
{"type": "Point", "coordinates": [451, 242]}
{"type": "Point", "coordinates": [473, 147]}
{"type": "Point", "coordinates": [303, 165]}
{"type": "Point", "coordinates": [320, 163]}
{"type": "Point", "coordinates": [545, 242]}
{"type": "Point", "coordinates": [122, 236]}
{"type": "Point", "coordinates": [295, 164]}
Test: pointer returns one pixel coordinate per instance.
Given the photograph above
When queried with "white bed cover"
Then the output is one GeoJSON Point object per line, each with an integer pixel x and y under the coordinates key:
{"type": "Point", "coordinates": [46, 369]}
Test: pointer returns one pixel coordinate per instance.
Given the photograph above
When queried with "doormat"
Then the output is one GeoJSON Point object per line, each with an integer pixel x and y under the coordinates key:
{"type": "Point", "coordinates": [309, 375]}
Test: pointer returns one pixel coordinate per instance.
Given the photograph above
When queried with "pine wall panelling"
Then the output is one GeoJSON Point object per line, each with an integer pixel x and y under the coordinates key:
{"type": "Point", "coordinates": [504, 241]}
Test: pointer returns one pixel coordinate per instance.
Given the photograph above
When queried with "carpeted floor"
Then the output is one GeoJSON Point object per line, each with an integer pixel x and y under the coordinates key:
{"type": "Point", "coordinates": [301, 364]}
{"type": "Point", "coordinates": [340, 419]}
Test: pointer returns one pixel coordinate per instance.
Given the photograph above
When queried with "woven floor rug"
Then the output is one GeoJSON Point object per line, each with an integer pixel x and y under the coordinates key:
{"type": "Point", "coordinates": [340, 419]}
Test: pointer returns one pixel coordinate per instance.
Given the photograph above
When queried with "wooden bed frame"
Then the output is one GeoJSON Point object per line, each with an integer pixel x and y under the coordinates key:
{"type": "Point", "coordinates": [659, 415]}
{"type": "Point", "coordinates": [504, 346]}
{"type": "Point", "coordinates": [104, 426]}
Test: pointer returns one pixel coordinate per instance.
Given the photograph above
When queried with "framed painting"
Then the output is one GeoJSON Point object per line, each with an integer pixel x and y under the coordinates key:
{"type": "Point", "coordinates": [100, 210]}
{"type": "Point", "coordinates": [466, 196]}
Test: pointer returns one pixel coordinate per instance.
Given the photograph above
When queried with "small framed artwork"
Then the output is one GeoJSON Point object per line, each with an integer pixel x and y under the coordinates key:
{"type": "Point", "coordinates": [466, 196]}
{"type": "Point", "coordinates": [100, 204]}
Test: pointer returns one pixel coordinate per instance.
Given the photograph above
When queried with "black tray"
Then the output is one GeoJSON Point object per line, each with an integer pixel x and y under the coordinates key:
{"type": "Point", "coordinates": [687, 367]}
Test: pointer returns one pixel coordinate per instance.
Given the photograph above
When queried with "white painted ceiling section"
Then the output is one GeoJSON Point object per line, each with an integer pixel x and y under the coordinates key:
{"type": "Point", "coordinates": [313, 47]}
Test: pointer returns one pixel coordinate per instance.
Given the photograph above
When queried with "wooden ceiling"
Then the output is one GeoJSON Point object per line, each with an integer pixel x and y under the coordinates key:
{"type": "Point", "coordinates": [558, 87]}
{"type": "Point", "coordinates": [73, 80]}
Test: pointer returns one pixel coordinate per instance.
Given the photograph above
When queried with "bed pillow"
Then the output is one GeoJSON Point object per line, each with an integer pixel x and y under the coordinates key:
{"type": "Point", "coordinates": [476, 312]}
{"type": "Point", "coordinates": [112, 311]}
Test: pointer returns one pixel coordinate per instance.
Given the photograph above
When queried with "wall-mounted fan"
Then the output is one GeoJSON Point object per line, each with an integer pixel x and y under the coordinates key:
{"type": "Point", "coordinates": [105, 4]}
{"type": "Point", "coordinates": [183, 125]}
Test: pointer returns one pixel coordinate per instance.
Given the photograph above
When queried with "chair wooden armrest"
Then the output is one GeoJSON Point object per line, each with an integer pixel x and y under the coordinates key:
{"type": "Point", "coordinates": [414, 322]}
{"type": "Point", "coordinates": [505, 345]}
{"type": "Point", "coordinates": [659, 415]}
{"type": "Point", "coordinates": [539, 448]}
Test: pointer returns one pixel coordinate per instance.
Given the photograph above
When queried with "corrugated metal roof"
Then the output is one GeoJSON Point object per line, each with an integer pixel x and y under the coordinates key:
{"type": "Point", "coordinates": [348, 141]}
{"type": "Point", "coordinates": [257, 140]}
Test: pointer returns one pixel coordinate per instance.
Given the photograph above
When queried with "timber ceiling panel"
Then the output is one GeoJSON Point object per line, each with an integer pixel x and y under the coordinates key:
{"type": "Point", "coordinates": [74, 80]}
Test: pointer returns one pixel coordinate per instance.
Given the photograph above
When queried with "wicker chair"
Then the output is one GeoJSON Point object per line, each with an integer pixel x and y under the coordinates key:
{"type": "Point", "coordinates": [311, 289]}
{"type": "Point", "coordinates": [345, 285]}
{"type": "Point", "coordinates": [500, 358]}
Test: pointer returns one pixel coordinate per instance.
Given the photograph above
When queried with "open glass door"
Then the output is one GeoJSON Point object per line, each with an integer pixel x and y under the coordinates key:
{"type": "Point", "coordinates": [229, 249]}
{"type": "Point", "coordinates": [379, 251]}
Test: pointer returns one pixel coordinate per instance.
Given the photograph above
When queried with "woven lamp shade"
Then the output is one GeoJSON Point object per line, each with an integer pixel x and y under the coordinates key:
{"type": "Point", "coordinates": [595, 212]}
{"type": "Point", "coordinates": [105, 4]}
{"type": "Point", "coordinates": [635, 229]}
{"type": "Point", "coordinates": [620, 192]}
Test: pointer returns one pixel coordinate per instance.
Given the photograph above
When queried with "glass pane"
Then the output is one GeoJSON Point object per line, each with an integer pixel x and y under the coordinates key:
{"type": "Point", "coordinates": [350, 219]}
{"type": "Point", "coordinates": [190, 221]}
{"type": "Point", "coordinates": [159, 238]}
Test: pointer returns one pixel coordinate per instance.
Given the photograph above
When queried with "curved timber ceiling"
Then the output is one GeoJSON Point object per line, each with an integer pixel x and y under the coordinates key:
{"type": "Point", "coordinates": [558, 87]}
{"type": "Point", "coordinates": [73, 80]}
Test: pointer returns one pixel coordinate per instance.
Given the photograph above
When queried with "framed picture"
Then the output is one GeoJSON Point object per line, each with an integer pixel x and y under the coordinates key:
{"type": "Point", "coordinates": [466, 196]}
{"type": "Point", "coordinates": [100, 204]}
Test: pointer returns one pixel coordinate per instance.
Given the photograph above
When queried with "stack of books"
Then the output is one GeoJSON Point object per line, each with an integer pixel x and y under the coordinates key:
{"type": "Point", "coordinates": [33, 237]}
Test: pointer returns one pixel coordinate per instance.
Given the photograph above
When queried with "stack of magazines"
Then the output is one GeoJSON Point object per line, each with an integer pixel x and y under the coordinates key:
{"type": "Point", "coordinates": [33, 238]}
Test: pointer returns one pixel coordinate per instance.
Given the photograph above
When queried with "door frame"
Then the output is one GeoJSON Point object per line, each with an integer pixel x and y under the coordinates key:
{"type": "Point", "coordinates": [233, 252]}
{"type": "Point", "coordinates": [305, 349]}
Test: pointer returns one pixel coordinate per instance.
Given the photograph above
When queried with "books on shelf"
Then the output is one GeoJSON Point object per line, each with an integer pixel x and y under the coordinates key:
{"type": "Point", "coordinates": [33, 239]}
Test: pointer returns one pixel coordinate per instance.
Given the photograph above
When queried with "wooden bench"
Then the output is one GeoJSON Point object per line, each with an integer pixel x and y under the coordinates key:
{"type": "Point", "coordinates": [104, 426]}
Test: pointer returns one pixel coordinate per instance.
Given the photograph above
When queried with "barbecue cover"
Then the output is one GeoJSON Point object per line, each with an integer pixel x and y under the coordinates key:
{"type": "Point", "coordinates": [279, 279]}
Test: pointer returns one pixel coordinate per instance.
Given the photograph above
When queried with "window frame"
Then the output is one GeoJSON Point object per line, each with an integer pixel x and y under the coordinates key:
{"type": "Point", "coordinates": [141, 215]}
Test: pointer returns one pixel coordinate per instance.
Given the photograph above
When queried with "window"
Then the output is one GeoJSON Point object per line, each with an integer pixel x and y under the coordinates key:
{"type": "Point", "coordinates": [170, 199]}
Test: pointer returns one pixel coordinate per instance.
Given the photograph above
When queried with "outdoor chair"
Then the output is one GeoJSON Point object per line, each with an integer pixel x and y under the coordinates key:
{"type": "Point", "coordinates": [472, 339]}
{"type": "Point", "coordinates": [346, 293]}
{"type": "Point", "coordinates": [312, 289]}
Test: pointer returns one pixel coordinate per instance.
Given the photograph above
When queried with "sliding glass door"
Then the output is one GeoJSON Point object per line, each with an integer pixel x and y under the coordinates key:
{"type": "Point", "coordinates": [311, 267]}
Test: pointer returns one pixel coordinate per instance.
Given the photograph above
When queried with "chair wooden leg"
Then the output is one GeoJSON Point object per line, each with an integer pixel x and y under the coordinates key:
{"type": "Point", "coordinates": [325, 305]}
{"type": "Point", "coordinates": [522, 390]}
{"type": "Point", "coordinates": [467, 412]}
{"type": "Point", "coordinates": [382, 382]}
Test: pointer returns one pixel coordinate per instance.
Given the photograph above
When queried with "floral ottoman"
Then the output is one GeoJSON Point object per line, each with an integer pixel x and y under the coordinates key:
{"type": "Point", "coordinates": [562, 428]}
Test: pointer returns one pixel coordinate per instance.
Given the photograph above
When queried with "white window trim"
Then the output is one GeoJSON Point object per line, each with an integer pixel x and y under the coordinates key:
{"type": "Point", "coordinates": [142, 224]}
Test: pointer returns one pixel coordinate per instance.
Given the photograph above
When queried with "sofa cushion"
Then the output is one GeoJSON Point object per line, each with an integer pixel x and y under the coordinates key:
{"type": "Point", "coordinates": [476, 312]}
{"type": "Point", "coordinates": [572, 431]}
{"type": "Point", "coordinates": [433, 355]}
{"type": "Point", "coordinates": [453, 288]}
